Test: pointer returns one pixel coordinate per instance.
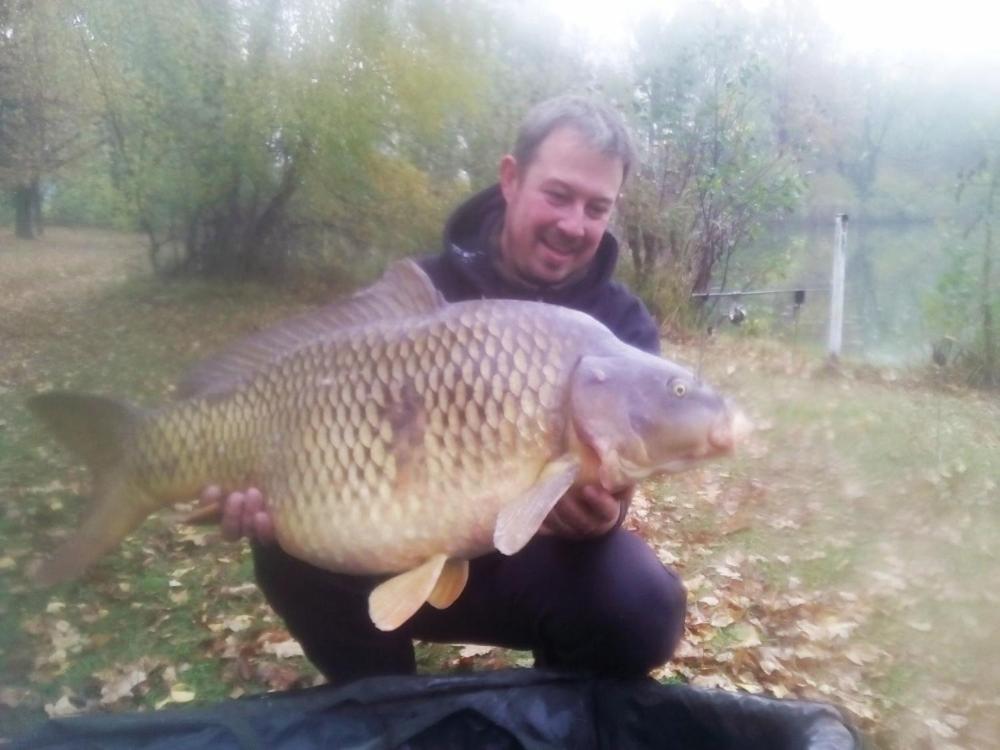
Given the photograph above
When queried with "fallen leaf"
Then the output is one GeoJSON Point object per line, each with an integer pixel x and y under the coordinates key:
{"type": "Point", "coordinates": [686, 650]}
{"type": "Point", "coordinates": [721, 620]}
{"type": "Point", "coordinates": [778, 691]}
{"type": "Point", "coordinates": [749, 685]}
{"type": "Point", "coordinates": [827, 630]}
{"type": "Point", "coordinates": [284, 649]}
{"type": "Point", "coordinates": [745, 634]}
{"type": "Point", "coordinates": [862, 653]}
{"type": "Point", "coordinates": [243, 588]}
{"type": "Point", "coordinates": [121, 685]}
{"type": "Point", "coordinates": [237, 623]}
{"type": "Point", "coordinates": [727, 572]}
{"type": "Point", "coordinates": [181, 693]}
{"type": "Point", "coordinates": [62, 707]}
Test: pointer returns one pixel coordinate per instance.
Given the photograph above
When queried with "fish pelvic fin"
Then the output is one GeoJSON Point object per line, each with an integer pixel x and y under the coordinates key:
{"type": "Point", "coordinates": [438, 581]}
{"type": "Point", "coordinates": [520, 520]}
{"type": "Point", "coordinates": [451, 583]}
{"type": "Point", "coordinates": [97, 429]}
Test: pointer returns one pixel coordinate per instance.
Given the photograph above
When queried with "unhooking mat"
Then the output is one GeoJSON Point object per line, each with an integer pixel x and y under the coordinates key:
{"type": "Point", "coordinates": [503, 710]}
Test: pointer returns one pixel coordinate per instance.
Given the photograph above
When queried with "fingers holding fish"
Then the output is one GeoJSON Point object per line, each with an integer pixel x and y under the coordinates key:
{"type": "Point", "coordinates": [586, 512]}
{"type": "Point", "coordinates": [244, 514]}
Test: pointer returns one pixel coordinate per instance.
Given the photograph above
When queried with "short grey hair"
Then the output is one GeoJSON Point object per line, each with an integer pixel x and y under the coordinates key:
{"type": "Point", "coordinates": [599, 124]}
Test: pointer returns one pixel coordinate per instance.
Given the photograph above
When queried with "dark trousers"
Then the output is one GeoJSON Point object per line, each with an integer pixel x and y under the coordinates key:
{"type": "Point", "coordinates": [606, 606]}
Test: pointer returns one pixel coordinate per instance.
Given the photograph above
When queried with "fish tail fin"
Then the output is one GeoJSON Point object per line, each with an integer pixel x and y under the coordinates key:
{"type": "Point", "coordinates": [98, 430]}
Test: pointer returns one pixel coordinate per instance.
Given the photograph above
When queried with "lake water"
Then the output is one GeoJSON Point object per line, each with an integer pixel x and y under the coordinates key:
{"type": "Point", "coordinates": [891, 271]}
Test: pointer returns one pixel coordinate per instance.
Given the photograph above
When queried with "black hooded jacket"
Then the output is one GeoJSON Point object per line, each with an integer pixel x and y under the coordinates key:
{"type": "Point", "coordinates": [466, 270]}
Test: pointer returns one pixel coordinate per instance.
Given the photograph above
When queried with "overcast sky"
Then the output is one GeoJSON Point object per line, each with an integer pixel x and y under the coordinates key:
{"type": "Point", "coordinates": [953, 30]}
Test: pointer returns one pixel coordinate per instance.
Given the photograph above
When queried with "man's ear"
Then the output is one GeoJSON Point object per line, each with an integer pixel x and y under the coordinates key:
{"type": "Point", "coordinates": [509, 175]}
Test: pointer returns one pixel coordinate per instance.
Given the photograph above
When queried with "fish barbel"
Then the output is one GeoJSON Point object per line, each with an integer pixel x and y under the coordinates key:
{"type": "Point", "coordinates": [395, 434]}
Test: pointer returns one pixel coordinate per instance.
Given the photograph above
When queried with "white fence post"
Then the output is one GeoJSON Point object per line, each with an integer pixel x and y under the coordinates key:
{"type": "Point", "coordinates": [836, 335]}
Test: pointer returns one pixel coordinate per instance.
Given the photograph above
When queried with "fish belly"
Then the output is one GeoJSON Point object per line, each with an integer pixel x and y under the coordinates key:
{"type": "Point", "coordinates": [396, 446]}
{"type": "Point", "coordinates": [374, 536]}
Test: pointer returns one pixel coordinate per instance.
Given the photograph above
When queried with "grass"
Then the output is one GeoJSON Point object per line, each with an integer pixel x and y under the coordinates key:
{"type": "Point", "coordinates": [890, 493]}
{"type": "Point", "coordinates": [852, 538]}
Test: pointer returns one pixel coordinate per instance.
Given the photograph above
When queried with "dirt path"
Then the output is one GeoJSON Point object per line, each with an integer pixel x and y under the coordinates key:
{"type": "Point", "coordinates": [47, 281]}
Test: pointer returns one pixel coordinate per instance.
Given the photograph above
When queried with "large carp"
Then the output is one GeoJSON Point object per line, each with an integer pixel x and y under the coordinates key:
{"type": "Point", "coordinates": [395, 433]}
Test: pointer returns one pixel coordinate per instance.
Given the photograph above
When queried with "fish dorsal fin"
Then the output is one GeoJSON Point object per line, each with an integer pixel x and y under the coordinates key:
{"type": "Point", "coordinates": [521, 519]}
{"type": "Point", "coordinates": [395, 601]}
{"type": "Point", "coordinates": [403, 291]}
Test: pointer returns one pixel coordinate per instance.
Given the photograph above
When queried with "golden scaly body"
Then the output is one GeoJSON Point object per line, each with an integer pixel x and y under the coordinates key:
{"type": "Point", "coordinates": [379, 447]}
{"type": "Point", "coordinates": [406, 444]}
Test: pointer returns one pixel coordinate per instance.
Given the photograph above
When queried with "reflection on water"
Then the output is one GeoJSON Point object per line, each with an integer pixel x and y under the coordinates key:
{"type": "Point", "coordinates": [891, 268]}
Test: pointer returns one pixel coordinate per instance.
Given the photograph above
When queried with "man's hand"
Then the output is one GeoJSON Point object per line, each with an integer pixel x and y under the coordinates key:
{"type": "Point", "coordinates": [587, 512]}
{"type": "Point", "coordinates": [582, 513]}
{"type": "Point", "coordinates": [244, 514]}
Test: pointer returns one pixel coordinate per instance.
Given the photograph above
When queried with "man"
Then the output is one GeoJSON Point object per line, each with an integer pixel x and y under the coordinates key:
{"type": "Point", "coordinates": [584, 594]}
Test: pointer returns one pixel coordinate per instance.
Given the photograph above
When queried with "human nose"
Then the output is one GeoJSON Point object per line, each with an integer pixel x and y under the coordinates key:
{"type": "Point", "coordinates": [572, 223]}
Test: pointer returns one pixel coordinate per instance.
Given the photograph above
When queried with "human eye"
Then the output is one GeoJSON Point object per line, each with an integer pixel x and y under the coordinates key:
{"type": "Point", "coordinates": [598, 210]}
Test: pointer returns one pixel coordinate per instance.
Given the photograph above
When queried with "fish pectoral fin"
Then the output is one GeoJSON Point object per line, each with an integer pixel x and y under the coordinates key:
{"type": "Point", "coordinates": [395, 601]}
{"type": "Point", "coordinates": [451, 583]}
{"type": "Point", "coordinates": [521, 519]}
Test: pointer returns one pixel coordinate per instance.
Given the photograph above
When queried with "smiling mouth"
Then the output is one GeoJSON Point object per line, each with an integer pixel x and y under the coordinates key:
{"type": "Point", "coordinates": [560, 251]}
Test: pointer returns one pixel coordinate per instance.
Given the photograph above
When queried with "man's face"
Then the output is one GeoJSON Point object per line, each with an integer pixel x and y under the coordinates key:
{"type": "Point", "coordinates": [557, 207]}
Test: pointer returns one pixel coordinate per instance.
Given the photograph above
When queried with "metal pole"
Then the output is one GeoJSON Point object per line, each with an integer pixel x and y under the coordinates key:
{"type": "Point", "coordinates": [836, 336]}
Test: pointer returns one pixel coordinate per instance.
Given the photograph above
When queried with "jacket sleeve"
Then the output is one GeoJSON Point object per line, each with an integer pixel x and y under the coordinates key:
{"type": "Point", "coordinates": [634, 325]}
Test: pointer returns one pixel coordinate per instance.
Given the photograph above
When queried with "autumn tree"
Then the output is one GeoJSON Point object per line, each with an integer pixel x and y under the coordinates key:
{"type": "Point", "coordinates": [240, 128]}
{"type": "Point", "coordinates": [46, 121]}
{"type": "Point", "coordinates": [965, 304]}
{"type": "Point", "coordinates": [712, 169]}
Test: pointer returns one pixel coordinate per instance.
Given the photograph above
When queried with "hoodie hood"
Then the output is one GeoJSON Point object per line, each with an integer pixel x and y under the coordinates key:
{"type": "Point", "coordinates": [472, 246]}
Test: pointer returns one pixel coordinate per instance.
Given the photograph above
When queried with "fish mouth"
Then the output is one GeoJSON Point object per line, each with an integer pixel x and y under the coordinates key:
{"type": "Point", "coordinates": [720, 441]}
{"type": "Point", "coordinates": [677, 465]}
{"type": "Point", "coordinates": [674, 465]}
{"type": "Point", "coordinates": [727, 431]}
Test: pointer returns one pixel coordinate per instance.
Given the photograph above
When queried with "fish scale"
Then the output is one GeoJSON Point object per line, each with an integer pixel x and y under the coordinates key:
{"type": "Point", "coordinates": [294, 504]}
{"type": "Point", "coordinates": [403, 445]}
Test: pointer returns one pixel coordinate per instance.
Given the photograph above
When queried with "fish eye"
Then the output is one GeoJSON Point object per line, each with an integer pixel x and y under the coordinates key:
{"type": "Point", "coordinates": [679, 389]}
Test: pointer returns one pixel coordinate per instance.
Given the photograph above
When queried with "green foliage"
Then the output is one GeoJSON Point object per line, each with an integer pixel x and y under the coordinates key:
{"type": "Point", "coordinates": [712, 170]}
{"type": "Point", "coordinates": [235, 127]}
{"type": "Point", "coordinates": [86, 196]}
{"type": "Point", "coordinates": [44, 105]}
{"type": "Point", "coordinates": [972, 280]}
{"type": "Point", "coordinates": [954, 309]}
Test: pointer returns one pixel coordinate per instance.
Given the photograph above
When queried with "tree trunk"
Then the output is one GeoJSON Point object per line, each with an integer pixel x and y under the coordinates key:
{"type": "Point", "coordinates": [989, 335]}
{"type": "Point", "coordinates": [23, 208]}
{"type": "Point", "coordinates": [36, 208]}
